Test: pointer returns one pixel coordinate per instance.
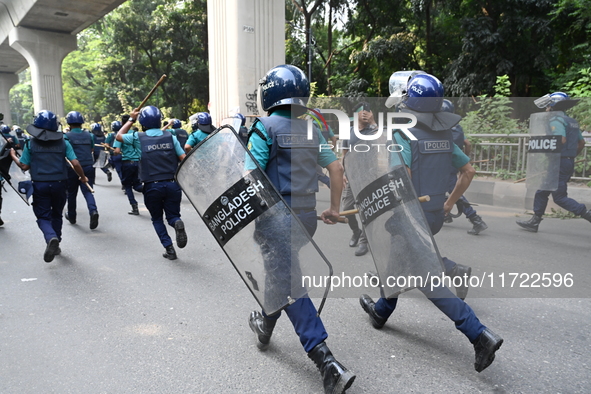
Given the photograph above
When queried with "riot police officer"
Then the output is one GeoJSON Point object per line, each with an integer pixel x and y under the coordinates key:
{"type": "Point", "coordinates": [202, 127]}
{"type": "Point", "coordinates": [573, 143]}
{"type": "Point", "coordinates": [283, 95]}
{"type": "Point", "coordinates": [83, 144]}
{"type": "Point", "coordinates": [99, 139]}
{"type": "Point", "coordinates": [45, 155]}
{"type": "Point", "coordinates": [478, 225]}
{"type": "Point", "coordinates": [130, 158]}
{"type": "Point", "coordinates": [160, 153]}
{"type": "Point", "coordinates": [115, 157]}
{"type": "Point", "coordinates": [181, 134]}
{"type": "Point", "coordinates": [429, 172]}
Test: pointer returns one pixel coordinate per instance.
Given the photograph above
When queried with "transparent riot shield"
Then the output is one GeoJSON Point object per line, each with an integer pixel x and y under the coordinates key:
{"type": "Point", "coordinates": [103, 159]}
{"type": "Point", "coordinates": [543, 154]}
{"type": "Point", "coordinates": [263, 239]}
{"type": "Point", "coordinates": [399, 237]}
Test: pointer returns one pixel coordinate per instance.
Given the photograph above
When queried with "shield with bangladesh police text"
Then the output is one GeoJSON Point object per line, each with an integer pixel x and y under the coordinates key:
{"type": "Point", "coordinates": [543, 153]}
{"type": "Point", "coordinates": [399, 237]}
{"type": "Point", "coordinates": [265, 242]}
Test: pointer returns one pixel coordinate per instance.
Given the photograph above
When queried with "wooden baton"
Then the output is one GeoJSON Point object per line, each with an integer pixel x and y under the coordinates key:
{"type": "Point", "coordinates": [162, 78]}
{"type": "Point", "coordinates": [86, 183]}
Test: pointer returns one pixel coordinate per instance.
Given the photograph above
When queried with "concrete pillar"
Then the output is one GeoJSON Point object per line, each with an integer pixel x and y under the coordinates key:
{"type": "Point", "coordinates": [246, 39]}
{"type": "Point", "coordinates": [44, 52]}
{"type": "Point", "coordinates": [7, 81]}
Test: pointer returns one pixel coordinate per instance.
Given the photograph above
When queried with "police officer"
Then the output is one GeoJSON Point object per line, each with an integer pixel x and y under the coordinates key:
{"type": "Point", "coordinates": [83, 144]}
{"type": "Point", "coordinates": [367, 126]}
{"type": "Point", "coordinates": [20, 135]}
{"type": "Point", "coordinates": [181, 134]}
{"type": "Point", "coordinates": [45, 155]}
{"type": "Point", "coordinates": [242, 131]}
{"type": "Point", "coordinates": [159, 158]}
{"type": "Point", "coordinates": [130, 157]}
{"type": "Point", "coordinates": [572, 144]}
{"type": "Point", "coordinates": [429, 173]}
{"type": "Point", "coordinates": [11, 140]}
{"type": "Point", "coordinates": [115, 157]}
{"type": "Point", "coordinates": [284, 92]}
{"type": "Point", "coordinates": [99, 139]}
{"type": "Point", "coordinates": [460, 140]}
{"type": "Point", "coordinates": [202, 127]}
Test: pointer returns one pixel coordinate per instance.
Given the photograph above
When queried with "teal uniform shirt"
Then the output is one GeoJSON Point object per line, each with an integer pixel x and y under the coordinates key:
{"type": "Point", "coordinates": [110, 139]}
{"type": "Point", "coordinates": [133, 139]}
{"type": "Point", "coordinates": [558, 128]}
{"type": "Point", "coordinates": [196, 137]}
{"type": "Point", "coordinates": [130, 147]}
{"type": "Point", "coordinates": [26, 155]}
{"type": "Point", "coordinates": [458, 158]}
{"type": "Point", "coordinates": [260, 148]}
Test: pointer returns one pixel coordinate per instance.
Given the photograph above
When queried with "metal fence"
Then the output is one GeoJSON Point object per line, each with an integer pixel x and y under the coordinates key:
{"type": "Point", "coordinates": [506, 155]}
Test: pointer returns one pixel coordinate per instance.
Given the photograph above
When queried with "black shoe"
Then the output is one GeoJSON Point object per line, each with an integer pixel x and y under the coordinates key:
{"type": "Point", "coordinates": [262, 327]}
{"type": "Point", "coordinates": [586, 216]}
{"type": "Point", "coordinates": [181, 235]}
{"type": "Point", "coordinates": [58, 251]}
{"type": "Point", "coordinates": [478, 225]}
{"type": "Point", "coordinates": [355, 238]}
{"type": "Point", "coordinates": [531, 224]}
{"type": "Point", "coordinates": [463, 272]}
{"type": "Point", "coordinates": [336, 378]}
{"type": "Point", "coordinates": [109, 176]}
{"type": "Point", "coordinates": [485, 347]}
{"type": "Point", "coordinates": [51, 250]}
{"type": "Point", "coordinates": [362, 249]}
{"type": "Point", "coordinates": [1, 222]}
{"type": "Point", "coordinates": [71, 220]}
{"type": "Point", "coordinates": [134, 210]}
{"type": "Point", "coordinates": [94, 220]}
{"type": "Point", "coordinates": [447, 218]}
{"type": "Point", "coordinates": [369, 307]}
{"type": "Point", "coordinates": [170, 253]}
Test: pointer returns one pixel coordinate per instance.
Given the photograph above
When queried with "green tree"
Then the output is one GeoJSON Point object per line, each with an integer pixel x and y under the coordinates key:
{"type": "Point", "coordinates": [21, 100]}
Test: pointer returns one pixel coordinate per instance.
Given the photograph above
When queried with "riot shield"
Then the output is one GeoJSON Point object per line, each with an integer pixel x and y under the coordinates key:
{"type": "Point", "coordinates": [103, 159]}
{"type": "Point", "coordinates": [399, 237]}
{"type": "Point", "coordinates": [11, 173]}
{"type": "Point", "coordinates": [266, 243]}
{"type": "Point", "coordinates": [543, 154]}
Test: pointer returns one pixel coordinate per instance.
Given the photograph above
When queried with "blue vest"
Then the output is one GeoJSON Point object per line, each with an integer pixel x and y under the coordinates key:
{"type": "Point", "coordinates": [572, 135]}
{"type": "Point", "coordinates": [82, 145]}
{"type": "Point", "coordinates": [98, 149]}
{"type": "Point", "coordinates": [159, 160]}
{"type": "Point", "coordinates": [292, 160]}
{"type": "Point", "coordinates": [48, 160]}
{"type": "Point", "coordinates": [243, 134]}
{"type": "Point", "coordinates": [431, 160]}
{"type": "Point", "coordinates": [182, 136]}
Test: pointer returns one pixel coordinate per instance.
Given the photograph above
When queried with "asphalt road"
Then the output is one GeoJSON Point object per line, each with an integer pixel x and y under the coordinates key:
{"type": "Point", "coordinates": [111, 315]}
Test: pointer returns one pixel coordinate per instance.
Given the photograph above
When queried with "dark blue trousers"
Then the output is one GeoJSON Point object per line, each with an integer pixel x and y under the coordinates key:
{"type": "Point", "coordinates": [302, 313]}
{"type": "Point", "coordinates": [560, 196]}
{"type": "Point", "coordinates": [131, 180]}
{"type": "Point", "coordinates": [116, 163]}
{"type": "Point", "coordinates": [74, 184]}
{"type": "Point", "coordinates": [49, 199]}
{"type": "Point", "coordinates": [163, 198]}
{"type": "Point", "coordinates": [457, 310]}
{"type": "Point", "coordinates": [468, 210]}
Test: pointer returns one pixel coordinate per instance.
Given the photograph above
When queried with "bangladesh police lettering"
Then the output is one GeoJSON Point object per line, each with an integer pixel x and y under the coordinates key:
{"type": "Point", "coordinates": [380, 196]}
{"type": "Point", "coordinates": [153, 147]}
{"type": "Point", "coordinates": [544, 144]}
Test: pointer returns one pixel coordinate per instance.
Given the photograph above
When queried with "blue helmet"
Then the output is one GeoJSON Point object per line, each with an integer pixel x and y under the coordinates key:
{"type": "Point", "coordinates": [448, 106]}
{"type": "Point", "coordinates": [203, 118]}
{"type": "Point", "coordinates": [95, 127]}
{"type": "Point", "coordinates": [150, 117]}
{"type": "Point", "coordinates": [424, 93]}
{"type": "Point", "coordinates": [46, 120]}
{"type": "Point", "coordinates": [557, 97]}
{"type": "Point", "coordinates": [4, 129]}
{"type": "Point", "coordinates": [242, 119]}
{"type": "Point", "coordinates": [116, 126]}
{"type": "Point", "coordinates": [74, 117]}
{"type": "Point", "coordinates": [283, 85]}
{"type": "Point", "coordinates": [176, 124]}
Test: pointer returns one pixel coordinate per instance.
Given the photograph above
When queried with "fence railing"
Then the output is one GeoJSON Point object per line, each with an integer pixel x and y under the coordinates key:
{"type": "Point", "coordinates": [508, 157]}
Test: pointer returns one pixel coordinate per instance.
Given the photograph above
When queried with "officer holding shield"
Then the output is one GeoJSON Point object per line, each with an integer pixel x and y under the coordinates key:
{"type": "Point", "coordinates": [100, 139]}
{"type": "Point", "coordinates": [202, 127]}
{"type": "Point", "coordinates": [572, 144]}
{"type": "Point", "coordinates": [283, 94]}
{"type": "Point", "coordinates": [181, 135]}
{"type": "Point", "coordinates": [429, 169]}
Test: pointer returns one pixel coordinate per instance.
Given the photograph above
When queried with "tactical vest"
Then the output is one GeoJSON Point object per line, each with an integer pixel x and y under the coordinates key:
{"type": "Point", "coordinates": [182, 136]}
{"type": "Point", "coordinates": [457, 133]}
{"type": "Point", "coordinates": [48, 163]}
{"type": "Point", "coordinates": [243, 134]}
{"type": "Point", "coordinates": [82, 145]}
{"type": "Point", "coordinates": [292, 160]}
{"type": "Point", "coordinates": [431, 160]}
{"type": "Point", "coordinates": [98, 141]}
{"type": "Point", "coordinates": [572, 135]}
{"type": "Point", "coordinates": [159, 160]}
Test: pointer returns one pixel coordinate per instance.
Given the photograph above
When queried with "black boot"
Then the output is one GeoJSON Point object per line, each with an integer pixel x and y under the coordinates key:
{"type": "Point", "coordinates": [94, 217]}
{"type": "Point", "coordinates": [51, 250]}
{"type": "Point", "coordinates": [369, 307]}
{"type": "Point", "coordinates": [485, 347]}
{"type": "Point", "coordinates": [478, 224]}
{"type": "Point", "coordinates": [587, 215]}
{"type": "Point", "coordinates": [336, 378]}
{"type": "Point", "coordinates": [71, 219]}
{"type": "Point", "coordinates": [361, 250]}
{"type": "Point", "coordinates": [354, 238]}
{"type": "Point", "coordinates": [181, 235]}
{"type": "Point", "coordinates": [109, 176]}
{"type": "Point", "coordinates": [262, 327]}
{"type": "Point", "coordinates": [134, 210]}
{"type": "Point", "coordinates": [531, 224]}
{"type": "Point", "coordinates": [463, 272]}
{"type": "Point", "coordinates": [170, 253]}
